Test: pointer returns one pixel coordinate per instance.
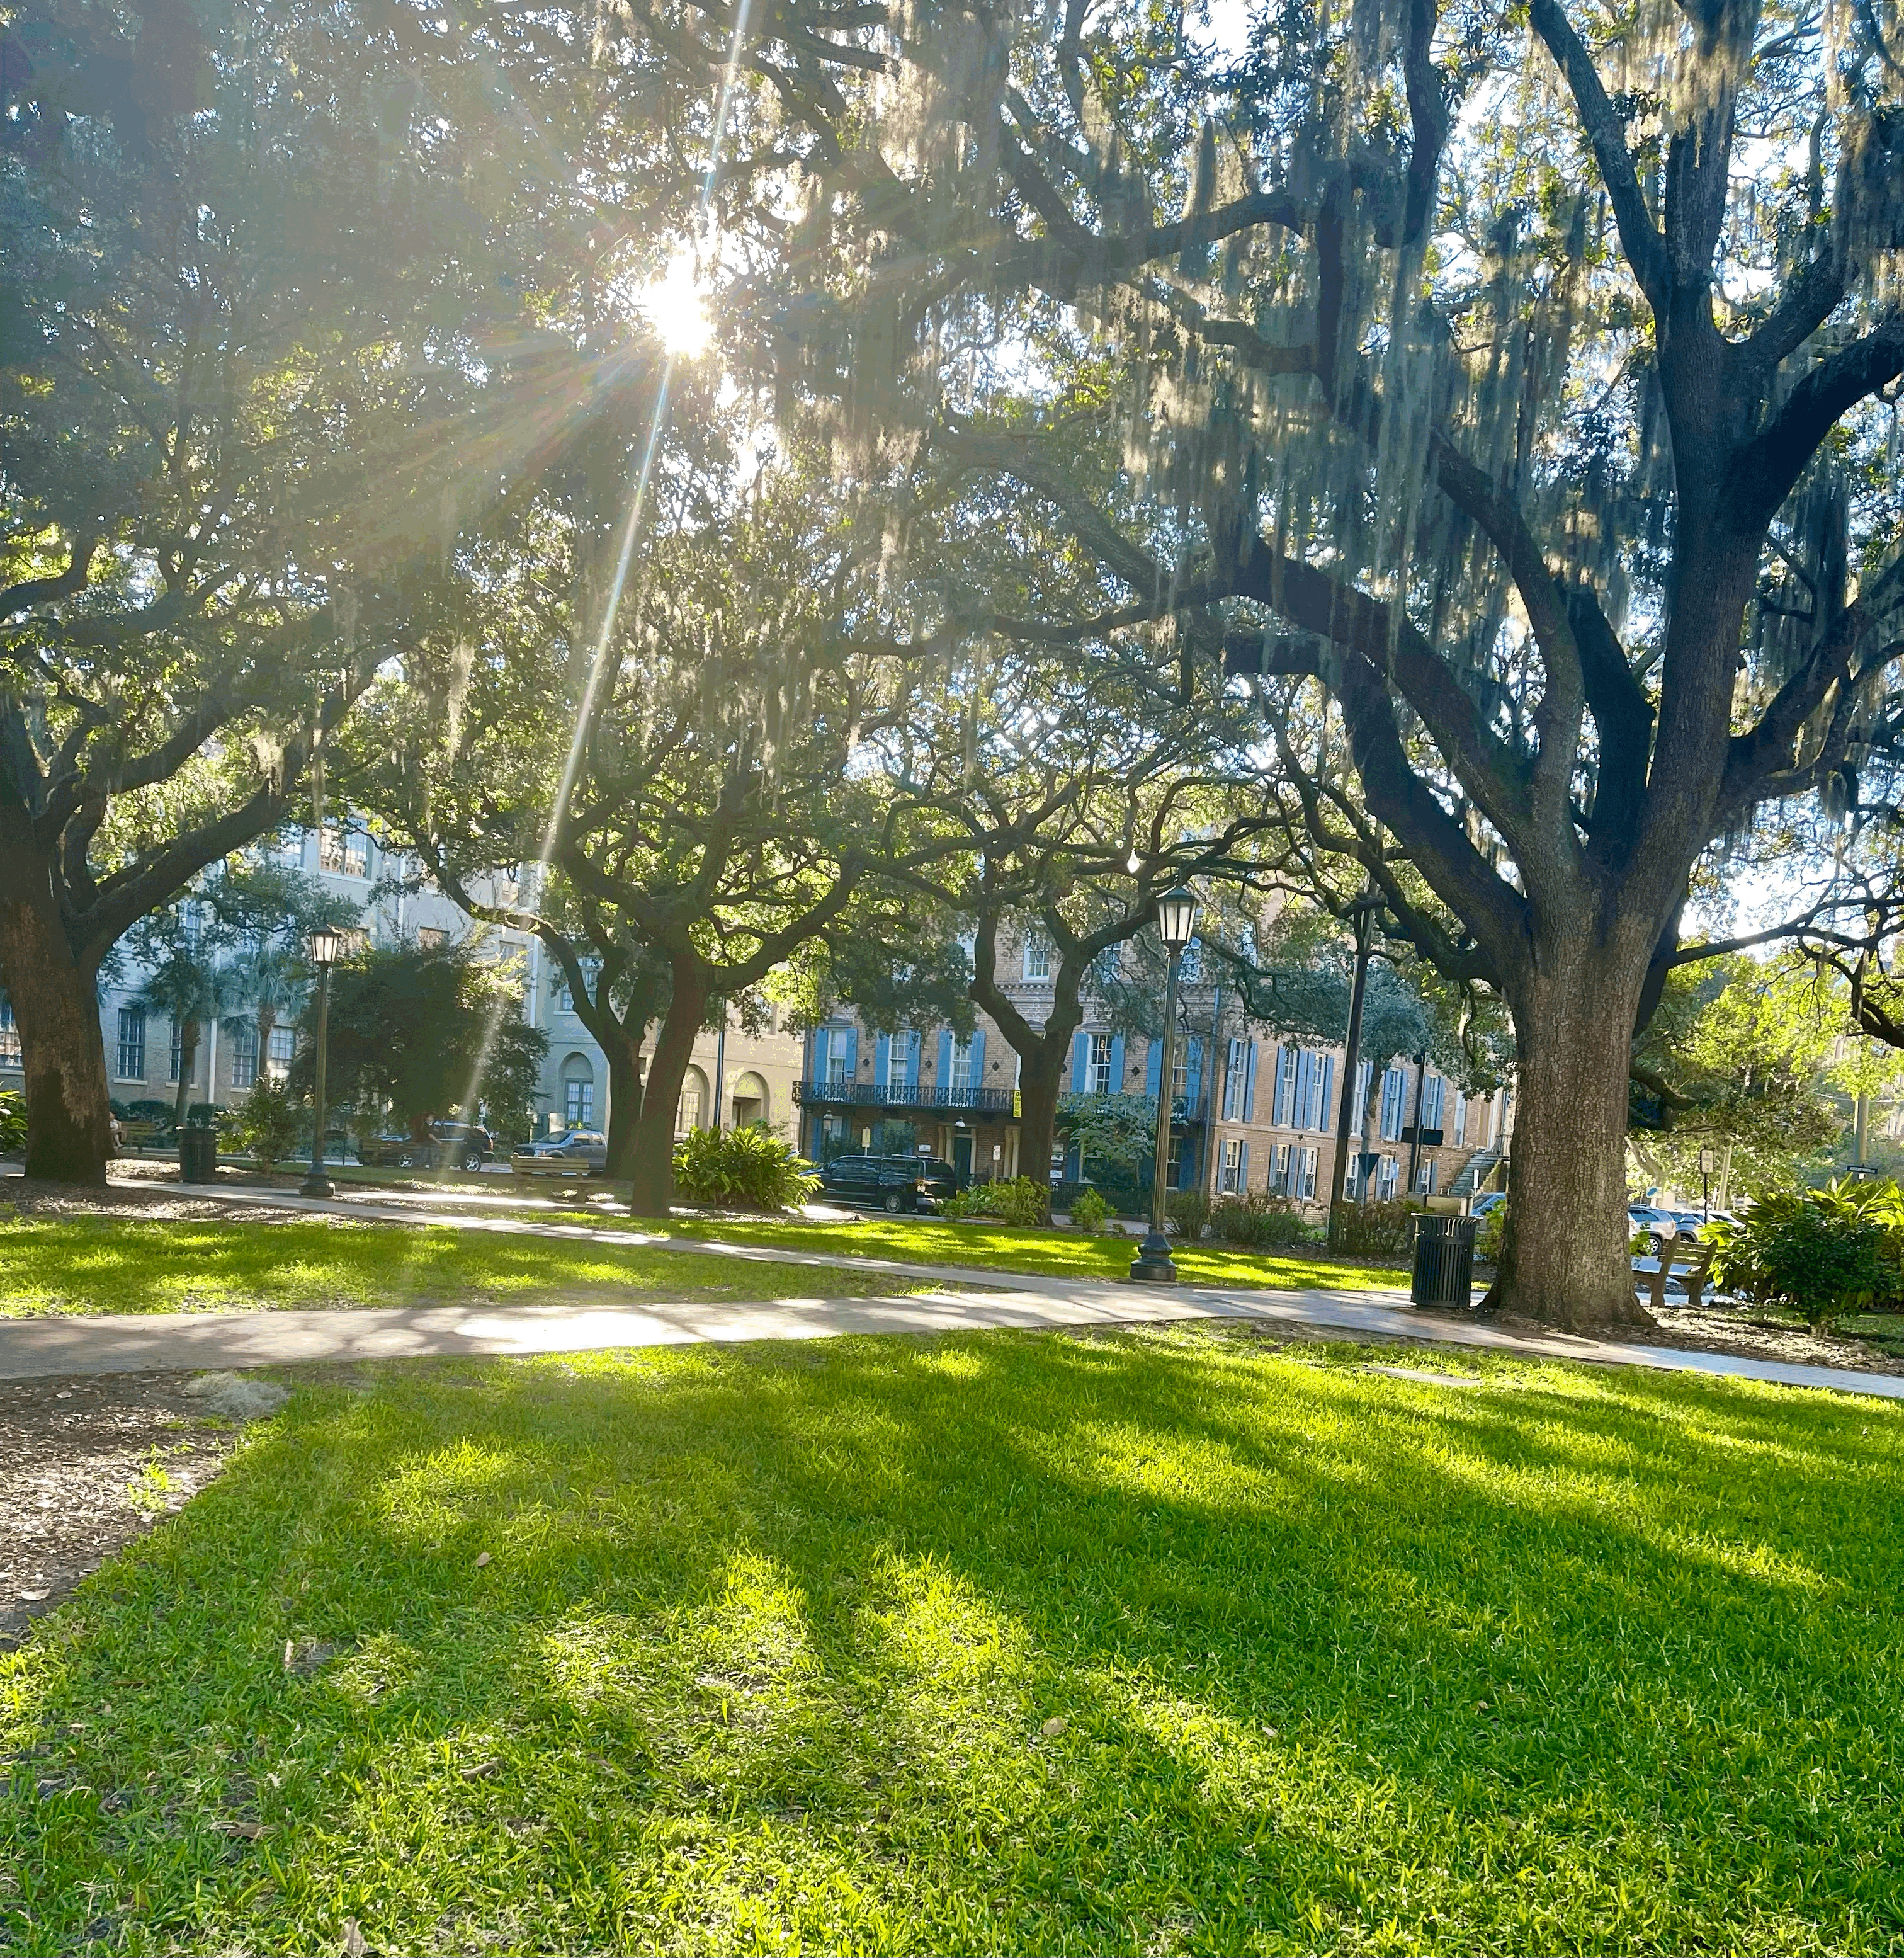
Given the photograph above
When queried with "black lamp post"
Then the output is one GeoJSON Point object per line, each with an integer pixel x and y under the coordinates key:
{"type": "Point", "coordinates": [327, 948]}
{"type": "Point", "coordinates": [1176, 921]}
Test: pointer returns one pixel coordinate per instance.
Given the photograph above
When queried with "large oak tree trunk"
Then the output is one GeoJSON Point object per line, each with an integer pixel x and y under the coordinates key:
{"type": "Point", "coordinates": [651, 1167]}
{"type": "Point", "coordinates": [1041, 1080]}
{"type": "Point", "coordinates": [626, 1097]}
{"type": "Point", "coordinates": [56, 1010]}
{"type": "Point", "coordinates": [1564, 1259]}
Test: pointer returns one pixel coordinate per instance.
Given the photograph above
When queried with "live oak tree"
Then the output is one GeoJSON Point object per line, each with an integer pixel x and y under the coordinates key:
{"type": "Point", "coordinates": [1508, 383]}
{"type": "Point", "coordinates": [689, 772]}
{"type": "Point", "coordinates": [242, 320]}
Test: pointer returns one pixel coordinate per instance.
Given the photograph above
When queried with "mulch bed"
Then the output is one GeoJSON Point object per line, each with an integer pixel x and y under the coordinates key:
{"type": "Point", "coordinates": [91, 1463]}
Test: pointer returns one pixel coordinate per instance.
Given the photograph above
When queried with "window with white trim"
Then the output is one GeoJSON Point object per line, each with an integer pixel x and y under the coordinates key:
{"type": "Point", "coordinates": [9, 1034]}
{"type": "Point", "coordinates": [1232, 1169]}
{"type": "Point", "coordinates": [1037, 955]}
{"type": "Point", "coordinates": [283, 1050]}
{"type": "Point", "coordinates": [131, 1055]}
{"type": "Point", "coordinates": [244, 1057]}
{"type": "Point", "coordinates": [1097, 1071]}
{"type": "Point", "coordinates": [178, 1051]}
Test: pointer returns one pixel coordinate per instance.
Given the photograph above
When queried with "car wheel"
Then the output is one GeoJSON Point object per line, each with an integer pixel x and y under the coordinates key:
{"type": "Point", "coordinates": [1655, 1244]}
{"type": "Point", "coordinates": [894, 1203]}
{"type": "Point", "coordinates": [471, 1158]}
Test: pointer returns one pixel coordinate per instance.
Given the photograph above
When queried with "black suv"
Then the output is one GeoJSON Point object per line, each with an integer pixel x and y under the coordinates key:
{"type": "Point", "coordinates": [458, 1146]}
{"type": "Point", "coordinates": [889, 1183]}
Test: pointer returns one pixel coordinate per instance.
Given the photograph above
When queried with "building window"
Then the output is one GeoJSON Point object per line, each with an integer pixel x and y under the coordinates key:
{"type": "Point", "coordinates": [1434, 1095]}
{"type": "Point", "coordinates": [1279, 1182]}
{"type": "Point", "coordinates": [890, 1059]}
{"type": "Point", "coordinates": [283, 1051]}
{"type": "Point", "coordinates": [835, 1064]}
{"type": "Point", "coordinates": [341, 849]}
{"type": "Point", "coordinates": [9, 1034]}
{"type": "Point", "coordinates": [177, 1057]}
{"type": "Point", "coordinates": [1037, 955]}
{"type": "Point", "coordinates": [1233, 1164]}
{"type": "Point", "coordinates": [1180, 1073]}
{"type": "Point", "coordinates": [961, 1063]}
{"type": "Point", "coordinates": [244, 1057]}
{"type": "Point", "coordinates": [131, 1044]}
{"type": "Point", "coordinates": [687, 1114]}
{"type": "Point", "coordinates": [1394, 1092]}
{"type": "Point", "coordinates": [1306, 1171]}
{"type": "Point", "coordinates": [1460, 1121]}
{"type": "Point", "coordinates": [578, 1103]}
{"type": "Point", "coordinates": [1425, 1178]}
{"type": "Point", "coordinates": [1098, 1072]}
{"type": "Point", "coordinates": [430, 938]}
{"type": "Point", "coordinates": [1390, 1173]}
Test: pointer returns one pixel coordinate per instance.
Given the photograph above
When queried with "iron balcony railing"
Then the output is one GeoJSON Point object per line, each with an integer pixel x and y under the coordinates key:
{"type": "Point", "coordinates": [868, 1095]}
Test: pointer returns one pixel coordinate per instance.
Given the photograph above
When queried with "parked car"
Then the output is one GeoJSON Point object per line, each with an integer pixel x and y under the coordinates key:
{"type": "Point", "coordinates": [1482, 1205]}
{"type": "Point", "coordinates": [580, 1152]}
{"type": "Point", "coordinates": [1661, 1226]}
{"type": "Point", "coordinates": [454, 1144]}
{"type": "Point", "coordinates": [889, 1183]}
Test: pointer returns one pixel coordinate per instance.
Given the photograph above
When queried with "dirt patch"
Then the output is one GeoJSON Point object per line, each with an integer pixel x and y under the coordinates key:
{"type": "Point", "coordinates": [1714, 1329]}
{"type": "Point", "coordinates": [91, 1464]}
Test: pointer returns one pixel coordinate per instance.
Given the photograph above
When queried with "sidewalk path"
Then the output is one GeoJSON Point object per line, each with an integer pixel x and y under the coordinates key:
{"type": "Point", "coordinates": [132, 1342]}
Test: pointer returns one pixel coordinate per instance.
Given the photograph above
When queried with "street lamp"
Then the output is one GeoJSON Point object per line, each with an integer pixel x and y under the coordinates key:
{"type": "Point", "coordinates": [327, 947]}
{"type": "Point", "coordinates": [1176, 921]}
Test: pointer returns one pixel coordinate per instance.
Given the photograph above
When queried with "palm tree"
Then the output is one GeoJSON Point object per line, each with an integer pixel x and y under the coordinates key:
{"type": "Point", "coordinates": [183, 980]}
{"type": "Point", "coordinates": [265, 981]}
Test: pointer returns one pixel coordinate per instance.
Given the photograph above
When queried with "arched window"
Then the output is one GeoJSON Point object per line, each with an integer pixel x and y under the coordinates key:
{"type": "Point", "coordinates": [578, 1091]}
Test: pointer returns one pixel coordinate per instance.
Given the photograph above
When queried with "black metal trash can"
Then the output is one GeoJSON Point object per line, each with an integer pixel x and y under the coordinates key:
{"type": "Point", "coordinates": [197, 1153]}
{"type": "Point", "coordinates": [1443, 1274]}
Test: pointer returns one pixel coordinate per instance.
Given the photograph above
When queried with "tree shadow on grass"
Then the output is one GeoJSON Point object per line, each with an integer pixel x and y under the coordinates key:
{"type": "Point", "coordinates": [767, 1641]}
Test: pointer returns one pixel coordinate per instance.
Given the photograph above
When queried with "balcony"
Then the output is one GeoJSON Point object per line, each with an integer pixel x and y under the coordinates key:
{"type": "Point", "coordinates": [867, 1095]}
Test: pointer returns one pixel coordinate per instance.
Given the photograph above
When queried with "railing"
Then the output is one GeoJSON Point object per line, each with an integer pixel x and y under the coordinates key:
{"type": "Point", "coordinates": [1140, 1107]}
{"type": "Point", "coordinates": [899, 1094]}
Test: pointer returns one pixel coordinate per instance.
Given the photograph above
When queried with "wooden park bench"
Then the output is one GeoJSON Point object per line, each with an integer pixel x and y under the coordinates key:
{"type": "Point", "coordinates": [134, 1135]}
{"type": "Point", "coordinates": [1685, 1259]}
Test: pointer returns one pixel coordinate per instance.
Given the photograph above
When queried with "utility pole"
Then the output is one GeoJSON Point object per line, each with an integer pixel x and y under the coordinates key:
{"type": "Point", "coordinates": [1364, 912]}
{"type": "Point", "coordinates": [720, 1071]}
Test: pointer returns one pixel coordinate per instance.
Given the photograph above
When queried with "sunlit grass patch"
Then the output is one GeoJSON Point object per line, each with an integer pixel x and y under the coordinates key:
{"type": "Point", "coordinates": [86, 1264]}
{"type": "Point", "coordinates": [1054, 1253]}
{"type": "Point", "coordinates": [1161, 1640]}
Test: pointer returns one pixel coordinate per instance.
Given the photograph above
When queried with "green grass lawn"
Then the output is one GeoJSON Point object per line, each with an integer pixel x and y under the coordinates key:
{"type": "Point", "coordinates": [1060, 1253]}
{"type": "Point", "coordinates": [82, 1264]}
{"type": "Point", "coordinates": [1156, 1643]}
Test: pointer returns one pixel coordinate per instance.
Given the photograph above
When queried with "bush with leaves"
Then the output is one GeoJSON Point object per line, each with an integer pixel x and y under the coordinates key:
{"type": "Point", "coordinates": [13, 1120]}
{"type": "Point", "coordinates": [1810, 1250]}
{"type": "Point", "coordinates": [1488, 1236]}
{"type": "Point", "coordinates": [1017, 1199]}
{"type": "Point", "coordinates": [1188, 1211]}
{"type": "Point", "coordinates": [1375, 1230]}
{"type": "Point", "coordinates": [1089, 1210]}
{"type": "Point", "coordinates": [749, 1168]}
{"type": "Point", "coordinates": [267, 1123]}
{"type": "Point", "coordinates": [1259, 1221]}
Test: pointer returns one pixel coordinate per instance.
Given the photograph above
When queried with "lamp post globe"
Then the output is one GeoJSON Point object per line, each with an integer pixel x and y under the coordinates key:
{"type": "Point", "coordinates": [1176, 925]}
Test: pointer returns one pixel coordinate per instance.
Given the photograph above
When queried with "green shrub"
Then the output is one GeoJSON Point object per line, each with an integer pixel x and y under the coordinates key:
{"type": "Point", "coordinates": [1259, 1221]}
{"type": "Point", "coordinates": [750, 1167]}
{"type": "Point", "coordinates": [1089, 1210]}
{"type": "Point", "coordinates": [1375, 1230]}
{"type": "Point", "coordinates": [13, 1120]}
{"type": "Point", "coordinates": [1488, 1238]}
{"type": "Point", "coordinates": [1188, 1211]}
{"type": "Point", "coordinates": [1878, 1203]}
{"type": "Point", "coordinates": [1017, 1199]}
{"type": "Point", "coordinates": [1814, 1251]}
{"type": "Point", "coordinates": [266, 1125]}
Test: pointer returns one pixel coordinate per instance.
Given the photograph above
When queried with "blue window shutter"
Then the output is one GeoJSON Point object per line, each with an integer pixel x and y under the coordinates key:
{"type": "Point", "coordinates": [1193, 1073]}
{"type": "Point", "coordinates": [1153, 1068]}
{"type": "Point", "coordinates": [882, 1058]}
{"type": "Point", "coordinates": [912, 1058]}
{"type": "Point", "coordinates": [1080, 1053]}
{"type": "Point", "coordinates": [851, 1037]}
{"type": "Point", "coordinates": [1116, 1063]}
{"type": "Point", "coordinates": [822, 1047]}
{"type": "Point", "coordinates": [1249, 1086]}
{"type": "Point", "coordinates": [1243, 1169]}
{"type": "Point", "coordinates": [945, 1060]}
{"type": "Point", "coordinates": [1328, 1089]}
{"type": "Point", "coordinates": [1305, 1063]}
{"type": "Point", "coordinates": [978, 1056]}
